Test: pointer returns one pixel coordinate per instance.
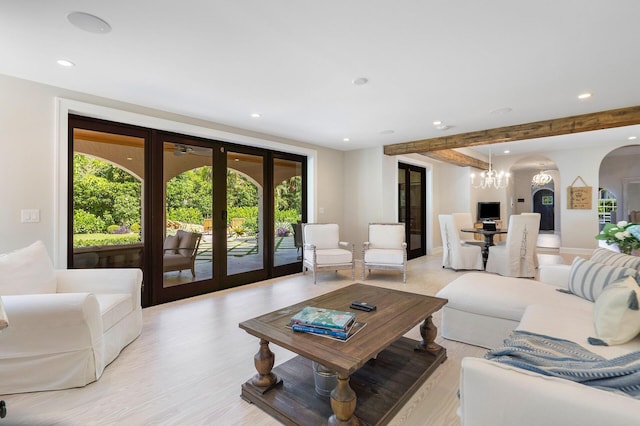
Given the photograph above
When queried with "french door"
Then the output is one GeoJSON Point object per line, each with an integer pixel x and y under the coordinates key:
{"type": "Point", "coordinates": [412, 208]}
{"type": "Point", "coordinates": [196, 215]}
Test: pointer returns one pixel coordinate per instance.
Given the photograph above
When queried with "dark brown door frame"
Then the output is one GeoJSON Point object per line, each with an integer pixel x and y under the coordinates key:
{"type": "Point", "coordinates": [154, 205]}
{"type": "Point", "coordinates": [414, 252]}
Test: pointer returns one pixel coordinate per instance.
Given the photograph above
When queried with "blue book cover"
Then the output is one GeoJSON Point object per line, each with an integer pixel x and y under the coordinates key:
{"type": "Point", "coordinates": [325, 318]}
{"type": "Point", "coordinates": [333, 334]}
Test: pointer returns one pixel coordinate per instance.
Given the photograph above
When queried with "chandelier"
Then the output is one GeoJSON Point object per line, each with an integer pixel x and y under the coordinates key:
{"type": "Point", "coordinates": [491, 178]}
{"type": "Point", "coordinates": [541, 179]}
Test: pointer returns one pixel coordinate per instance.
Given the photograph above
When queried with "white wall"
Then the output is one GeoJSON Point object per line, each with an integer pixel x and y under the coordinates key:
{"type": "Point", "coordinates": [352, 188]}
{"type": "Point", "coordinates": [614, 171]}
{"type": "Point", "coordinates": [27, 135]}
{"type": "Point", "coordinates": [363, 195]}
{"type": "Point", "coordinates": [577, 227]}
{"type": "Point", "coordinates": [33, 133]}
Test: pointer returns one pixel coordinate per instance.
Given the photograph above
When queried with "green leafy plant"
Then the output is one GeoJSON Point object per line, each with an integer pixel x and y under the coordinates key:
{"type": "Point", "coordinates": [624, 234]}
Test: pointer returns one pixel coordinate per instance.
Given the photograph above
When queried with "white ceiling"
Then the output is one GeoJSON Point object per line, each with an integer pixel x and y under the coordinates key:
{"type": "Point", "coordinates": [294, 62]}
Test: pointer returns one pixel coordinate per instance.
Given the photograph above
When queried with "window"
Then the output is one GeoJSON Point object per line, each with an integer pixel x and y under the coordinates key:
{"type": "Point", "coordinates": [607, 204]}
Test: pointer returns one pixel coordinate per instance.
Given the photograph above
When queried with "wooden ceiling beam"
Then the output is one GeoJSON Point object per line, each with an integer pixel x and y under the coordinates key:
{"type": "Point", "coordinates": [456, 158]}
{"type": "Point", "coordinates": [539, 129]}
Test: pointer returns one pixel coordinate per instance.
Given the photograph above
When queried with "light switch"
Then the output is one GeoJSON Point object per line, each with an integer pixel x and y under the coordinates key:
{"type": "Point", "coordinates": [321, 210]}
{"type": "Point", "coordinates": [30, 215]}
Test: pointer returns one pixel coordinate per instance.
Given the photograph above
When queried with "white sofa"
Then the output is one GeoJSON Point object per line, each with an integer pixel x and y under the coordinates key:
{"type": "Point", "coordinates": [65, 326]}
{"type": "Point", "coordinates": [483, 309]}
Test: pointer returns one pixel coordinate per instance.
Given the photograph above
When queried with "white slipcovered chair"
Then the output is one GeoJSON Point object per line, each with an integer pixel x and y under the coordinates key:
{"type": "Point", "coordinates": [465, 221]}
{"type": "Point", "coordinates": [323, 250]}
{"type": "Point", "coordinates": [385, 248]}
{"type": "Point", "coordinates": [535, 251]}
{"type": "Point", "coordinates": [516, 257]}
{"type": "Point", "coordinates": [455, 253]}
{"type": "Point", "coordinates": [66, 325]}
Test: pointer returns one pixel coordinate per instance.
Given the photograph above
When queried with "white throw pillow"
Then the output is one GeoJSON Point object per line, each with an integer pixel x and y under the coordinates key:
{"type": "Point", "coordinates": [587, 279]}
{"type": "Point", "coordinates": [27, 271]}
{"type": "Point", "coordinates": [616, 313]}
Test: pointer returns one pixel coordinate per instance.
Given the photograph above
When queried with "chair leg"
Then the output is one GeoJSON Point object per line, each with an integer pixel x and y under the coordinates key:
{"type": "Point", "coordinates": [314, 276]}
{"type": "Point", "coordinates": [363, 272]}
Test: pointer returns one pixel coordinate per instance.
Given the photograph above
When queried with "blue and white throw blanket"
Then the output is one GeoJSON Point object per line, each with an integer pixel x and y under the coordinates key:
{"type": "Point", "coordinates": [555, 357]}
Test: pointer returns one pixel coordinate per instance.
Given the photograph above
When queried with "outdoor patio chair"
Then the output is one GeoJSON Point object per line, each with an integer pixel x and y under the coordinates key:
{"type": "Point", "coordinates": [180, 251]}
{"type": "Point", "coordinates": [323, 250]}
{"type": "Point", "coordinates": [297, 237]}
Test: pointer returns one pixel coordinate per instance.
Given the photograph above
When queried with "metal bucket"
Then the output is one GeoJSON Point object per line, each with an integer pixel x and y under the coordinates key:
{"type": "Point", "coordinates": [325, 380]}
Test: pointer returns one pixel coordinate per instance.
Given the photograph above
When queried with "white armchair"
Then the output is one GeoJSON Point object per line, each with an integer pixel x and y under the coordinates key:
{"type": "Point", "coordinates": [455, 253]}
{"type": "Point", "coordinates": [385, 249]}
{"type": "Point", "coordinates": [516, 257]}
{"type": "Point", "coordinates": [323, 250]}
{"type": "Point", "coordinates": [66, 325]}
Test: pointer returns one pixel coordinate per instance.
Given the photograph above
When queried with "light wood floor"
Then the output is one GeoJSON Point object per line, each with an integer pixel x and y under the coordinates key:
{"type": "Point", "coordinates": [187, 366]}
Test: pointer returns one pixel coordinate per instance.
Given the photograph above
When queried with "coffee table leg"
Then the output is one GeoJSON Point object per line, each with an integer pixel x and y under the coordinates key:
{"type": "Point", "coordinates": [263, 361]}
{"type": "Point", "coordinates": [428, 331]}
{"type": "Point", "coordinates": [343, 403]}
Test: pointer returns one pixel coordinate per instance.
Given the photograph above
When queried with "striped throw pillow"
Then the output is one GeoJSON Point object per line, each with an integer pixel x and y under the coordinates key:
{"type": "Point", "coordinates": [587, 279]}
{"type": "Point", "coordinates": [612, 258]}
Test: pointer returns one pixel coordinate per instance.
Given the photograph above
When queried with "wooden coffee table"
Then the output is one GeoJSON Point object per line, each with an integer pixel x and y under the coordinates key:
{"type": "Point", "coordinates": [377, 364]}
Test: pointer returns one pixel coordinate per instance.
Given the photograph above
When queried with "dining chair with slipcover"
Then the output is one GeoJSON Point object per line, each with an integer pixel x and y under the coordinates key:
{"type": "Point", "coordinates": [516, 257]}
{"type": "Point", "coordinates": [464, 220]}
{"type": "Point", "coordinates": [457, 254]}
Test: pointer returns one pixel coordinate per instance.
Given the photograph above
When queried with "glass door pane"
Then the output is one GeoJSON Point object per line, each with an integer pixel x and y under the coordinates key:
{"type": "Point", "coordinates": [108, 175]}
{"type": "Point", "coordinates": [412, 207]}
{"type": "Point", "coordinates": [188, 201]}
{"type": "Point", "coordinates": [245, 213]}
{"type": "Point", "coordinates": [287, 203]}
{"type": "Point", "coordinates": [416, 222]}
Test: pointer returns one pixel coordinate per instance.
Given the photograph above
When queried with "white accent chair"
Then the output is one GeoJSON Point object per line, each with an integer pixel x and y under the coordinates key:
{"type": "Point", "coordinates": [516, 257]}
{"type": "Point", "coordinates": [66, 325]}
{"type": "Point", "coordinates": [385, 249]}
{"type": "Point", "coordinates": [455, 253]}
{"type": "Point", "coordinates": [323, 250]}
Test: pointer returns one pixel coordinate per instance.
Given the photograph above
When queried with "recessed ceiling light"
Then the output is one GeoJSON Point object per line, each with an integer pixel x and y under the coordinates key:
{"type": "Point", "coordinates": [437, 123]}
{"type": "Point", "coordinates": [129, 158]}
{"type": "Point", "coordinates": [387, 132]}
{"type": "Point", "coordinates": [345, 139]}
{"type": "Point", "coordinates": [255, 115]}
{"type": "Point", "coordinates": [88, 22]}
{"type": "Point", "coordinates": [584, 96]}
{"type": "Point", "coordinates": [506, 151]}
{"type": "Point", "coordinates": [65, 63]}
{"type": "Point", "coordinates": [632, 138]}
{"type": "Point", "coordinates": [360, 81]}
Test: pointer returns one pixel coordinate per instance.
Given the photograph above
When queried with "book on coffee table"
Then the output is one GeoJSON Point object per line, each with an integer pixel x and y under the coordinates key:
{"type": "Point", "coordinates": [324, 318]}
{"type": "Point", "coordinates": [326, 332]}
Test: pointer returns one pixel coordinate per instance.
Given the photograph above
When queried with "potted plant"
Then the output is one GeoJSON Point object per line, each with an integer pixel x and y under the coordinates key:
{"type": "Point", "coordinates": [626, 235]}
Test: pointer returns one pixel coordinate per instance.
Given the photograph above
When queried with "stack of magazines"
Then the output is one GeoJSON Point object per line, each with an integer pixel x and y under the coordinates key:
{"type": "Point", "coordinates": [339, 325]}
